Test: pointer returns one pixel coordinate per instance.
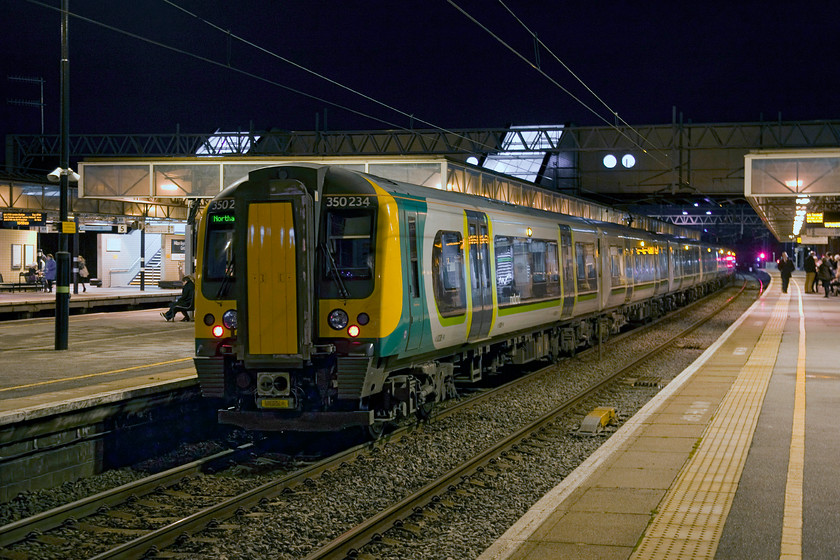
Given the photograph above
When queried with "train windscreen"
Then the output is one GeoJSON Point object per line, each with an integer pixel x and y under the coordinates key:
{"type": "Point", "coordinates": [347, 263]}
{"type": "Point", "coordinates": [218, 265]}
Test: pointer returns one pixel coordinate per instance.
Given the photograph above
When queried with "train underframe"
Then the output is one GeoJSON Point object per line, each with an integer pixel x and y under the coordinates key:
{"type": "Point", "coordinates": [339, 389]}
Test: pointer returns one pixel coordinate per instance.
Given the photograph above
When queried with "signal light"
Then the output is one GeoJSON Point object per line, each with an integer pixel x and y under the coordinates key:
{"type": "Point", "coordinates": [218, 331]}
{"type": "Point", "coordinates": [353, 331]}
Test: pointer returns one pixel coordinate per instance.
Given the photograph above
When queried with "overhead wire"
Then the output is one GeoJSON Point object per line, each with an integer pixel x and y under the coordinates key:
{"type": "Point", "coordinates": [210, 61]}
{"type": "Point", "coordinates": [330, 80]}
{"type": "Point", "coordinates": [268, 80]}
{"type": "Point", "coordinates": [563, 64]}
{"type": "Point", "coordinates": [549, 78]}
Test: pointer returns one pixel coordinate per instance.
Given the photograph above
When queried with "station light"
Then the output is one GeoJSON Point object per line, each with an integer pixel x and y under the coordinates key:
{"type": "Point", "coordinates": [610, 161]}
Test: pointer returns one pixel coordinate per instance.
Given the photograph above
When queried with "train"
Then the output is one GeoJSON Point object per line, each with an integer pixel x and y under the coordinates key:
{"type": "Point", "coordinates": [327, 298]}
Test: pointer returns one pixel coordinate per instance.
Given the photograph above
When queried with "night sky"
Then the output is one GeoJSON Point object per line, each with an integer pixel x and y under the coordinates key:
{"type": "Point", "coordinates": [732, 62]}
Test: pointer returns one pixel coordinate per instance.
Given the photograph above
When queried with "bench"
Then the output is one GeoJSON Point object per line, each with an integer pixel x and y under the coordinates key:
{"type": "Point", "coordinates": [21, 285]}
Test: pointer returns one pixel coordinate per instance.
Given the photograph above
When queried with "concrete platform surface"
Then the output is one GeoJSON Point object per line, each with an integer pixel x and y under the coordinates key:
{"type": "Point", "coordinates": [723, 463]}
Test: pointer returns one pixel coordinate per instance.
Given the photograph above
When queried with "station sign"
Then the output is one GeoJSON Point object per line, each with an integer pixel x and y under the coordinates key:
{"type": "Point", "coordinates": [23, 219]}
{"type": "Point", "coordinates": [177, 249]}
{"type": "Point", "coordinates": [813, 240]}
{"type": "Point", "coordinates": [831, 219]}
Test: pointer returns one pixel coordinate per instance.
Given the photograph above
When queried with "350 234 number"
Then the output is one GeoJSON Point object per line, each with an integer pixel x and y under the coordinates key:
{"type": "Point", "coordinates": [348, 201]}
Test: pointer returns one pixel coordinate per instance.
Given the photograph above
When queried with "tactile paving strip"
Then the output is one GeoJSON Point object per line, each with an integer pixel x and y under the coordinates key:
{"type": "Point", "coordinates": [690, 519]}
{"type": "Point", "coordinates": [792, 521]}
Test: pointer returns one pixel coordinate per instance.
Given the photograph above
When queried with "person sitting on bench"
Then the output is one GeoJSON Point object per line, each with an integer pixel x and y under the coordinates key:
{"type": "Point", "coordinates": [184, 303]}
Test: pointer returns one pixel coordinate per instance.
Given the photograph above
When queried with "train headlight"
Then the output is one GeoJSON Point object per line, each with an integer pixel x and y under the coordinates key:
{"type": "Point", "coordinates": [218, 331]}
{"type": "Point", "coordinates": [363, 319]}
{"type": "Point", "coordinates": [229, 319]}
{"type": "Point", "coordinates": [338, 319]}
{"type": "Point", "coordinates": [209, 319]}
{"type": "Point", "coordinates": [353, 331]}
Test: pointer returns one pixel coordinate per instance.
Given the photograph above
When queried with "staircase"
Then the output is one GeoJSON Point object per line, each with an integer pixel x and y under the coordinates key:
{"type": "Point", "coordinates": [152, 271]}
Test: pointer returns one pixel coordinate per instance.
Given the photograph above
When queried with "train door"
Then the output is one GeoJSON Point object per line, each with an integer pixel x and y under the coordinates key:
{"type": "Point", "coordinates": [276, 297]}
{"type": "Point", "coordinates": [567, 260]}
{"type": "Point", "coordinates": [412, 246]}
{"type": "Point", "coordinates": [482, 298]}
{"type": "Point", "coordinates": [630, 269]}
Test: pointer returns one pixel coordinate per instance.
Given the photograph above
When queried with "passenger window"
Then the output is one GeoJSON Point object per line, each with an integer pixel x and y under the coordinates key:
{"type": "Point", "coordinates": [587, 274]}
{"type": "Point", "coordinates": [448, 273]}
{"type": "Point", "coordinates": [615, 265]}
{"type": "Point", "coordinates": [526, 269]}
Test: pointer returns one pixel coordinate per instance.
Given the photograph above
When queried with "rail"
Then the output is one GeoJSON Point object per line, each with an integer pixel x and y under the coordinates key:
{"type": "Point", "coordinates": [167, 535]}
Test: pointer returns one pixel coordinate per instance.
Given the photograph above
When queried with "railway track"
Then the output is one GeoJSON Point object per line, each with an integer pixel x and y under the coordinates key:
{"type": "Point", "coordinates": [169, 528]}
{"type": "Point", "coordinates": [372, 530]}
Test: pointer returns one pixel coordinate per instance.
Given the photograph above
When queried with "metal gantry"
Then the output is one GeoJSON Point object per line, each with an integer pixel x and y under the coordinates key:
{"type": "Point", "coordinates": [674, 163]}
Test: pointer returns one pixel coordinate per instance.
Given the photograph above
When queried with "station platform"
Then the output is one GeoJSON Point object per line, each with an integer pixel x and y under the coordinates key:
{"type": "Point", "coordinates": [726, 462]}
{"type": "Point", "coordinates": [112, 353]}
{"type": "Point", "coordinates": [16, 304]}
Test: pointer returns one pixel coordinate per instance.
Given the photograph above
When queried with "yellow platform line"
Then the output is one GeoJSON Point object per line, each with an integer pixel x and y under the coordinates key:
{"type": "Point", "coordinates": [792, 520]}
{"type": "Point", "coordinates": [691, 517]}
{"type": "Point", "coordinates": [89, 375]}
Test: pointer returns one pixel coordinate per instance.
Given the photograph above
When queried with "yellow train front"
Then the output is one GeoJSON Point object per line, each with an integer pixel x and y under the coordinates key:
{"type": "Point", "coordinates": [288, 293]}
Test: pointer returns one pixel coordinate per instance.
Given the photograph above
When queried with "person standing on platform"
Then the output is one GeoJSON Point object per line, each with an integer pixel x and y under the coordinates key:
{"type": "Point", "coordinates": [50, 270]}
{"type": "Point", "coordinates": [83, 272]}
{"type": "Point", "coordinates": [810, 272]}
{"type": "Point", "coordinates": [824, 274]}
{"type": "Point", "coordinates": [786, 268]}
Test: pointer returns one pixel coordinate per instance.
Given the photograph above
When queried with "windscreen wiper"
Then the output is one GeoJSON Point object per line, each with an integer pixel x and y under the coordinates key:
{"type": "Point", "coordinates": [342, 289]}
{"type": "Point", "coordinates": [227, 280]}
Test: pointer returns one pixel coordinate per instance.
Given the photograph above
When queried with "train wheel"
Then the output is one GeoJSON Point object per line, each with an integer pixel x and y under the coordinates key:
{"type": "Point", "coordinates": [375, 430]}
{"type": "Point", "coordinates": [424, 411]}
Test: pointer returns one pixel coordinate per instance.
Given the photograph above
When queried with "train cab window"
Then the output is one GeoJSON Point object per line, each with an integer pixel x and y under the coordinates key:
{"type": "Point", "coordinates": [587, 274]}
{"type": "Point", "coordinates": [218, 258]}
{"type": "Point", "coordinates": [347, 264]}
{"type": "Point", "coordinates": [218, 264]}
{"type": "Point", "coordinates": [448, 273]}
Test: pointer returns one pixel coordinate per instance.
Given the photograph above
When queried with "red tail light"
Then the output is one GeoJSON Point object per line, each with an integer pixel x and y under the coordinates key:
{"type": "Point", "coordinates": [218, 331]}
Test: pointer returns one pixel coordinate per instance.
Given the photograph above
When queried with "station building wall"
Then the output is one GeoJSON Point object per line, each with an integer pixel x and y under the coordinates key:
{"type": "Point", "coordinates": [21, 238]}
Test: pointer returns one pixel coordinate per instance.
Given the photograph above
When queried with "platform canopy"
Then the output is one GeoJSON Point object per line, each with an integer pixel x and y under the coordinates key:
{"type": "Point", "coordinates": [796, 193]}
{"type": "Point", "coordinates": [205, 177]}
